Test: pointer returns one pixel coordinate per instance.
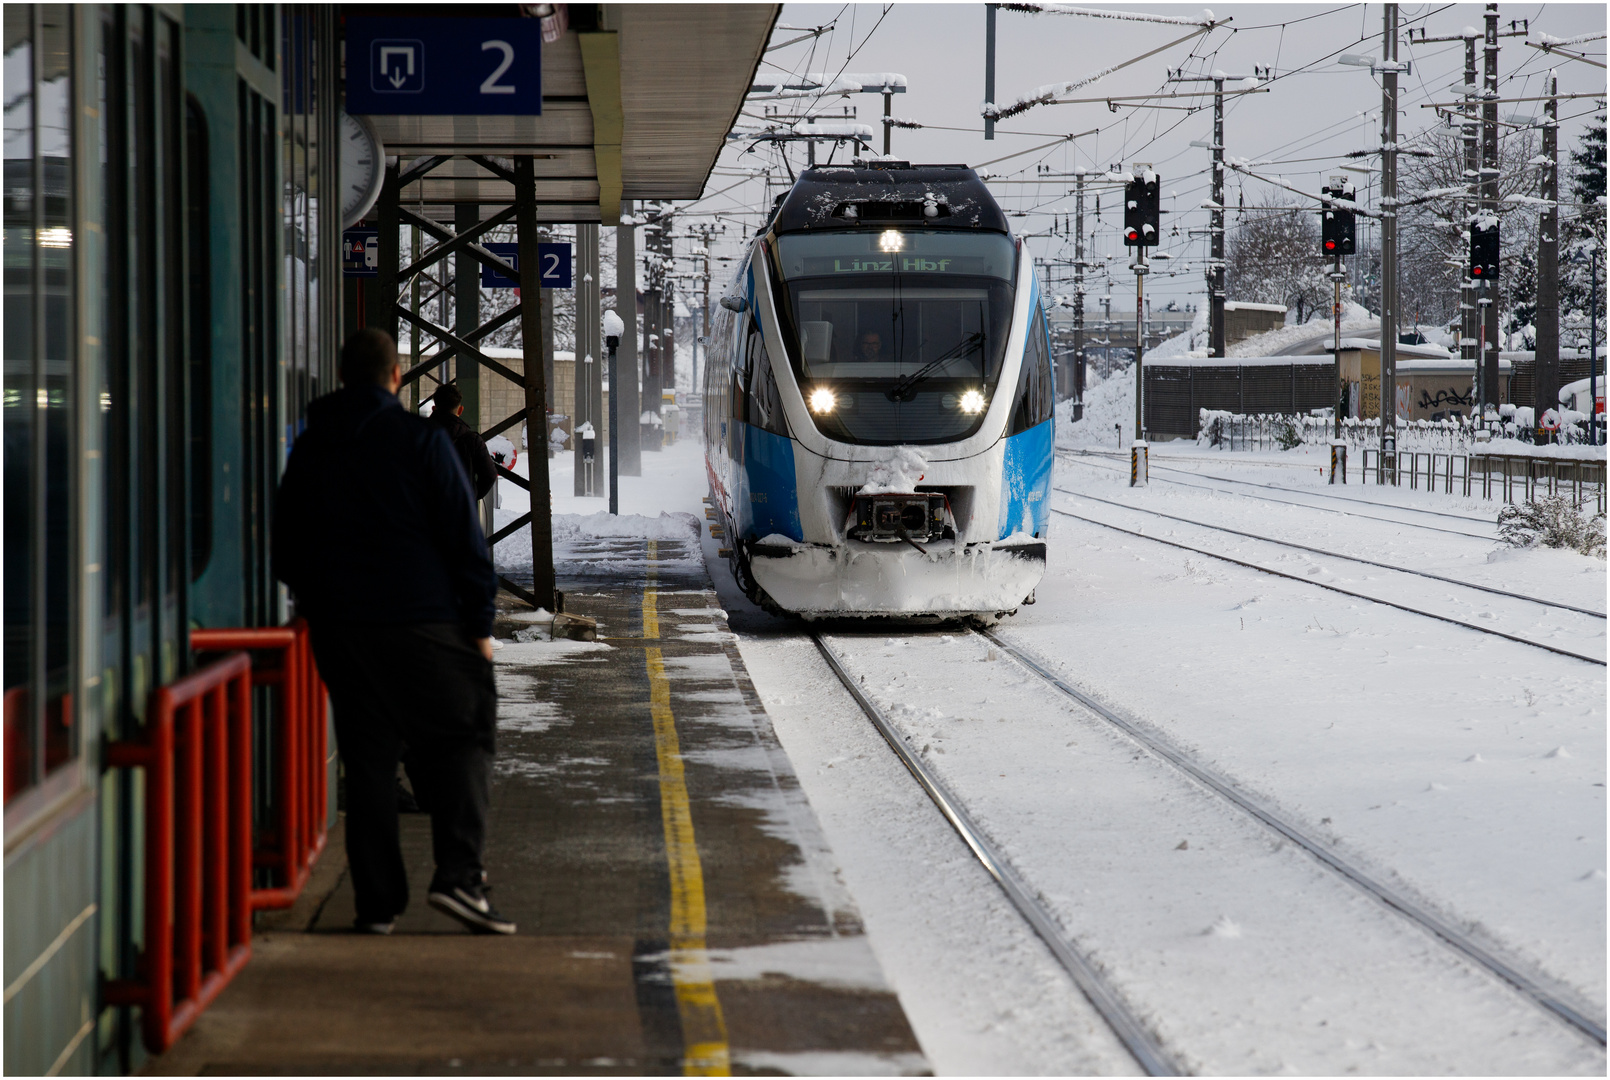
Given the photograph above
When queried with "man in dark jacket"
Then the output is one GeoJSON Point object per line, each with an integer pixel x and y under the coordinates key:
{"type": "Point", "coordinates": [471, 448]}
{"type": "Point", "coordinates": [376, 534]}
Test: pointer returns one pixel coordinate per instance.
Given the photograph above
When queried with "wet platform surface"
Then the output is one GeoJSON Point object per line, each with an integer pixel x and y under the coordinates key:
{"type": "Point", "coordinates": [679, 911]}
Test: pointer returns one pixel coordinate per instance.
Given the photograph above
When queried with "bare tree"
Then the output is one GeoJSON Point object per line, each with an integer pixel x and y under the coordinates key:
{"type": "Point", "coordinates": [1435, 233]}
{"type": "Point", "coordinates": [1273, 257]}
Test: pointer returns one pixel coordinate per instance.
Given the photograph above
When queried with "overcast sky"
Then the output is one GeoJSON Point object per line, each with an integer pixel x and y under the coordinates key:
{"type": "Point", "coordinates": [1315, 108]}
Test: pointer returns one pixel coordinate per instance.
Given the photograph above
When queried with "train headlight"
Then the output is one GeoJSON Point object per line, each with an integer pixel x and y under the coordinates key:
{"type": "Point", "coordinates": [972, 403]}
{"type": "Point", "coordinates": [891, 240]}
{"type": "Point", "coordinates": [822, 401]}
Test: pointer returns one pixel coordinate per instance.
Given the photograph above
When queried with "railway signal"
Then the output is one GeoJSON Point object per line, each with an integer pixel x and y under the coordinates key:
{"type": "Point", "coordinates": [1484, 249]}
{"type": "Point", "coordinates": [1336, 222]}
{"type": "Point", "coordinates": [1142, 210]}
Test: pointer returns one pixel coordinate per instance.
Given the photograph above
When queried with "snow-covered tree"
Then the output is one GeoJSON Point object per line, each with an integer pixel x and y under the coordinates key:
{"type": "Point", "coordinates": [1273, 257]}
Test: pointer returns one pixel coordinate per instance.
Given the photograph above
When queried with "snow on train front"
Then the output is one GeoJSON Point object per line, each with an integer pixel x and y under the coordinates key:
{"type": "Point", "coordinates": [878, 401]}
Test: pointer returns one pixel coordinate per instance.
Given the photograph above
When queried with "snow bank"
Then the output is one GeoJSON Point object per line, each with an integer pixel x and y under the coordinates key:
{"type": "Point", "coordinates": [513, 552]}
{"type": "Point", "coordinates": [1107, 402]}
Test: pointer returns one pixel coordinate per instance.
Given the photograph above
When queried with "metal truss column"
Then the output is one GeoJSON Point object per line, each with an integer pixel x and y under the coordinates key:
{"type": "Point", "coordinates": [543, 587]}
{"type": "Point", "coordinates": [467, 312]}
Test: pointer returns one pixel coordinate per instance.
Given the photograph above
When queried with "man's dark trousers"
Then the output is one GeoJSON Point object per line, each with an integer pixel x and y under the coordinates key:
{"type": "Point", "coordinates": [427, 686]}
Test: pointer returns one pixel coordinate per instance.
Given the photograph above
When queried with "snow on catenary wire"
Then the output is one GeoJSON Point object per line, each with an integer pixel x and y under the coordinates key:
{"type": "Point", "coordinates": [1205, 19]}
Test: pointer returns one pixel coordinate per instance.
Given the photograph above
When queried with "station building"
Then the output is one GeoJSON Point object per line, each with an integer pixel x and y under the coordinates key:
{"type": "Point", "coordinates": [174, 298]}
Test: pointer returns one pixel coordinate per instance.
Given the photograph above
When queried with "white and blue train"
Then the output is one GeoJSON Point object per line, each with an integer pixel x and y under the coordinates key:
{"type": "Point", "coordinates": [879, 400]}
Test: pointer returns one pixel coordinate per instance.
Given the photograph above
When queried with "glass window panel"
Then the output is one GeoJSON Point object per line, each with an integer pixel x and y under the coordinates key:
{"type": "Point", "coordinates": [54, 394]}
{"type": "Point", "coordinates": [20, 405]}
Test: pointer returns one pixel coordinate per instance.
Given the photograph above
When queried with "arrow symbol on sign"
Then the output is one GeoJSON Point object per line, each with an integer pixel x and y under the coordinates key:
{"type": "Point", "coordinates": [404, 51]}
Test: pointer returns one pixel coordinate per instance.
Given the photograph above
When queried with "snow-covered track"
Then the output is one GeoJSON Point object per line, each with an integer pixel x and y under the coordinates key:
{"type": "Point", "coordinates": [1140, 1043]}
{"type": "Point", "coordinates": [1330, 588]}
{"type": "Point", "coordinates": [1227, 790]}
{"type": "Point", "coordinates": [1338, 555]}
{"type": "Point", "coordinates": [1489, 537]}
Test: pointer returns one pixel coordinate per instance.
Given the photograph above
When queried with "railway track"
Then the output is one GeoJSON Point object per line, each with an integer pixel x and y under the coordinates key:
{"type": "Point", "coordinates": [1338, 555]}
{"type": "Point", "coordinates": [1489, 537]}
{"type": "Point", "coordinates": [1271, 819]}
{"type": "Point", "coordinates": [1322, 585]}
{"type": "Point", "coordinates": [1141, 1043]}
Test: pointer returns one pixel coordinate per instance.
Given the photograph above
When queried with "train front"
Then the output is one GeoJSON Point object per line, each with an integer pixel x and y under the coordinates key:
{"type": "Point", "coordinates": [910, 426]}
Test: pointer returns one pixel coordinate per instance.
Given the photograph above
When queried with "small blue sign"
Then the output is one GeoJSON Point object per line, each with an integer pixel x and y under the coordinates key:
{"type": "Point", "coordinates": [554, 259]}
{"type": "Point", "coordinates": [444, 67]}
{"type": "Point", "coordinates": [360, 253]}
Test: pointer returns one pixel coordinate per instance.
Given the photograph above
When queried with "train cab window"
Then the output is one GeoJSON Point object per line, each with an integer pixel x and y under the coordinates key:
{"type": "Point", "coordinates": [896, 335]}
{"type": "Point", "coordinates": [1035, 389]}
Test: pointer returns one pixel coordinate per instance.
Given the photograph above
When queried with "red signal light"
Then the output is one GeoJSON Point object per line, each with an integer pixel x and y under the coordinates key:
{"type": "Point", "coordinates": [1330, 245]}
{"type": "Point", "coordinates": [1475, 271]}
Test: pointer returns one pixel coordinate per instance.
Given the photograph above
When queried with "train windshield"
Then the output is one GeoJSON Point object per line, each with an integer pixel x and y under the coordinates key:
{"type": "Point", "coordinates": [896, 336]}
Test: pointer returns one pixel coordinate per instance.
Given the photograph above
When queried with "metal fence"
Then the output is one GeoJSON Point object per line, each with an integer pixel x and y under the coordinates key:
{"type": "Point", "coordinates": [1508, 477]}
{"type": "Point", "coordinates": [1176, 396]}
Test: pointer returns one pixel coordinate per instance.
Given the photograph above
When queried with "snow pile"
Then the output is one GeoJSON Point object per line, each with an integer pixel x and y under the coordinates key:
{"type": "Point", "coordinates": [1284, 340]}
{"type": "Point", "coordinates": [514, 551]}
{"type": "Point", "coordinates": [1107, 402]}
{"type": "Point", "coordinates": [1191, 343]}
{"type": "Point", "coordinates": [670, 525]}
{"type": "Point", "coordinates": [613, 327]}
{"type": "Point", "coordinates": [899, 475]}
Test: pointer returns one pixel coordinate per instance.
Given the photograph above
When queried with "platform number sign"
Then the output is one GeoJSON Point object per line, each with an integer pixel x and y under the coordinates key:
{"type": "Point", "coordinates": [554, 259]}
{"type": "Point", "coordinates": [444, 67]}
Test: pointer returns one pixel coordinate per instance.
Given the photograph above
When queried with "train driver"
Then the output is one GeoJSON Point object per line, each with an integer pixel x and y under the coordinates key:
{"type": "Point", "coordinates": [870, 347]}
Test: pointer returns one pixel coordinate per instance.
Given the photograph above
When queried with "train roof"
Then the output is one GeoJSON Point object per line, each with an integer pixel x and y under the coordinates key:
{"type": "Point", "coordinates": [874, 193]}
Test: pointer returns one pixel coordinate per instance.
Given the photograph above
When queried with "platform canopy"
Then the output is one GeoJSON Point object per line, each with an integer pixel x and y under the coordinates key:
{"type": "Point", "coordinates": [637, 100]}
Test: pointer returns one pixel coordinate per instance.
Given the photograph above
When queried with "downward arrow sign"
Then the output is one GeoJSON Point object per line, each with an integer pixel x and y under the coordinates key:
{"type": "Point", "coordinates": [398, 79]}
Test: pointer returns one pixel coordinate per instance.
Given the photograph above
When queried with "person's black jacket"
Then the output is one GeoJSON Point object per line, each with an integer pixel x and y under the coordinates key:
{"type": "Point", "coordinates": [374, 523]}
{"type": "Point", "coordinates": [472, 452]}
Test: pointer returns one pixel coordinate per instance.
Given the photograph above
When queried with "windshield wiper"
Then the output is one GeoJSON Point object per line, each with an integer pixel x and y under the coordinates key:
{"type": "Point", "coordinates": [902, 390]}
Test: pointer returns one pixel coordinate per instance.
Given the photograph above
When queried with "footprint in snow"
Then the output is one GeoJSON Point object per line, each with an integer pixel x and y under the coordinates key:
{"type": "Point", "coordinates": [1592, 875]}
{"type": "Point", "coordinates": [1475, 759]}
{"type": "Point", "coordinates": [1558, 751]}
{"type": "Point", "coordinates": [1434, 786]}
{"type": "Point", "coordinates": [1223, 927]}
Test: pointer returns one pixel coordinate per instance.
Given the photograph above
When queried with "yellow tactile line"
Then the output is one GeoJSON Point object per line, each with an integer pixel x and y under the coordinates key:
{"type": "Point", "coordinates": [704, 1030]}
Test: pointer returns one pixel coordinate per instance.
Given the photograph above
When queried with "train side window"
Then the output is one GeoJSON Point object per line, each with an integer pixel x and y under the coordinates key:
{"type": "Point", "coordinates": [1035, 398]}
{"type": "Point", "coordinates": [764, 405]}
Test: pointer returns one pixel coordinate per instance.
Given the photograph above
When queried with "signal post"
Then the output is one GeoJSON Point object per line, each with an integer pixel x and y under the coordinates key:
{"type": "Point", "coordinates": [1337, 239]}
{"type": "Point", "coordinates": [1142, 215]}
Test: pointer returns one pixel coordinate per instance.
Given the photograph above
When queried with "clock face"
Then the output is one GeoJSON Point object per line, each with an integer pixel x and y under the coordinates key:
{"type": "Point", "coordinates": [363, 169]}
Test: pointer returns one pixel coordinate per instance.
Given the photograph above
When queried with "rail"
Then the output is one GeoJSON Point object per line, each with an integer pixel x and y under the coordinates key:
{"type": "Point", "coordinates": [196, 753]}
{"type": "Point", "coordinates": [290, 843]}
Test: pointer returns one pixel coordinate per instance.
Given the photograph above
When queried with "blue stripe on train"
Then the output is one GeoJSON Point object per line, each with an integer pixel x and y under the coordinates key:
{"type": "Point", "coordinates": [769, 501]}
{"type": "Point", "coordinates": [1026, 482]}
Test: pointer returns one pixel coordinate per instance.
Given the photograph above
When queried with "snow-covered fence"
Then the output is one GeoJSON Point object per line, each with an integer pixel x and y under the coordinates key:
{"type": "Point", "coordinates": [1510, 476]}
{"type": "Point", "coordinates": [1274, 431]}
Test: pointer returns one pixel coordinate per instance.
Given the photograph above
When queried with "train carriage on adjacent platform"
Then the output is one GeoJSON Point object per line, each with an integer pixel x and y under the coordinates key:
{"type": "Point", "coordinates": [879, 398]}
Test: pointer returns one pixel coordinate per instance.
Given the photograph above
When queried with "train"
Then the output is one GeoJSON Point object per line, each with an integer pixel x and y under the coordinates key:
{"type": "Point", "coordinates": [879, 401]}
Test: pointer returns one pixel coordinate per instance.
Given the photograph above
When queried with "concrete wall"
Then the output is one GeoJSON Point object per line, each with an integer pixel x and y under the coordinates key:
{"type": "Point", "coordinates": [1242, 321]}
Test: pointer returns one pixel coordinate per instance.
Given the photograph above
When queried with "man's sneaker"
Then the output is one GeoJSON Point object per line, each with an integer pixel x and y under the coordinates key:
{"type": "Point", "coordinates": [469, 905]}
{"type": "Point", "coordinates": [361, 927]}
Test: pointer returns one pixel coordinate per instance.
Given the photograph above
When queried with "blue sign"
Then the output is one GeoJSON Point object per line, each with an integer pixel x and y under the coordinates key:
{"type": "Point", "coordinates": [360, 253]}
{"type": "Point", "coordinates": [444, 67]}
{"type": "Point", "coordinates": [554, 259]}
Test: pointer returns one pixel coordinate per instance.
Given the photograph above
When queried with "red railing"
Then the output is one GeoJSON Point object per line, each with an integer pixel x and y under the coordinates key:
{"type": "Point", "coordinates": [196, 751]}
{"type": "Point", "coordinates": [300, 802]}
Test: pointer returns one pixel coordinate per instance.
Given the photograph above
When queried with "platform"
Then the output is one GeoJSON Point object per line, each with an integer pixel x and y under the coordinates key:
{"type": "Point", "coordinates": [679, 910]}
